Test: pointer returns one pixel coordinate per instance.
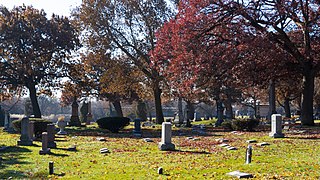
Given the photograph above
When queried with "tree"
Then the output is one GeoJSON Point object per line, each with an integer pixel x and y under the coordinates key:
{"type": "Point", "coordinates": [126, 28]}
{"type": "Point", "coordinates": [35, 51]}
{"type": "Point", "coordinates": [294, 27]}
{"type": "Point", "coordinates": [290, 27]}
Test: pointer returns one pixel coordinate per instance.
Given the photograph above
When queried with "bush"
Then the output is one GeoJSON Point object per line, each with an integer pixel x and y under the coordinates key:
{"type": "Point", "coordinates": [227, 124]}
{"type": "Point", "coordinates": [40, 125]}
{"type": "Point", "coordinates": [113, 124]}
{"type": "Point", "coordinates": [244, 124]}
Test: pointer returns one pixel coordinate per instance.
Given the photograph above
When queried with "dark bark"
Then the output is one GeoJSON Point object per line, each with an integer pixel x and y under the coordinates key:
{"type": "Point", "coordinates": [307, 97]}
{"type": "Point", "coordinates": [219, 112]}
{"type": "Point", "coordinates": [34, 100]}
{"type": "Point", "coordinates": [272, 99]}
{"type": "Point", "coordinates": [117, 106]}
{"type": "Point", "coordinates": [286, 105]}
{"type": "Point", "coordinates": [228, 105]}
{"type": "Point", "coordinates": [157, 99]}
{"type": "Point", "coordinates": [190, 110]}
{"type": "Point", "coordinates": [180, 110]}
{"type": "Point", "coordinates": [142, 110]}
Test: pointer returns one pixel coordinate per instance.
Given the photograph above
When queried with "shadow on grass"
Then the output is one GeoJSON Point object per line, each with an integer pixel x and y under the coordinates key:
{"type": "Point", "coordinates": [12, 155]}
{"type": "Point", "coordinates": [186, 152]}
{"type": "Point", "coordinates": [58, 155]}
{"type": "Point", "coordinates": [12, 174]}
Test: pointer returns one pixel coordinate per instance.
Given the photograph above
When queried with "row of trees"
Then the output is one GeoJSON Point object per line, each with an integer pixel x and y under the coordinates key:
{"type": "Point", "coordinates": [210, 50]}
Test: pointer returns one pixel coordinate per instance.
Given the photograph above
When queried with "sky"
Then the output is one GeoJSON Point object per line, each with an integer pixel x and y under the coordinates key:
{"type": "Point", "coordinates": [58, 7]}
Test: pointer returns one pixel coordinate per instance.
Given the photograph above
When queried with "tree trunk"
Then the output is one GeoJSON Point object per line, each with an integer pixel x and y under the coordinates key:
{"type": "Point", "coordinates": [157, 100]}
{"type": "Point", "coordinates": [272, 99]}
{"type": "Point", "coordinates": [228, 105]}
{"type": "Point", "coordinates": [286, 104]}
{"type": "Point", "coordinates": [117, 106]}
{"type": "Point", "coordinates": [180, 110]}
{"type": "Point", "coordinates": [142, 110]}
{"type": "Point", "coordinates": [190, 110]}
{"type": "Point", "coordinates": [34, 100]}
{"type": "Point", "coordinates": [307, 98]}
{"type": "Point", "coordinates": [219, 112]}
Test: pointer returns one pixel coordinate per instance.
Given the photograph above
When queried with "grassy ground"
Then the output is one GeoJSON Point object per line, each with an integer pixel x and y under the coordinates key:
{"type": "Point", "coordinates": [294, 157]}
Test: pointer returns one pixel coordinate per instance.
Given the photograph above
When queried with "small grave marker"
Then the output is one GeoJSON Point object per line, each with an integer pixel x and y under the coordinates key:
{"type": "Point", "coordinates": [104, 150]}
{"type": "Point", "coordinates": [252, 141]}
{"type": "Point", "coordinates": [263, 144]}
{"type": "Point", "coordinates": [160, 170]}
{"type": "Point", "coordinates": [239, 174]}
{"type": "Point", "coordinates": [51, 170]}
{"type": "Point", "coordinates": [148, 140]}
{"type": "Point", "coordinates": [248, 154]}
{"type": "Point", "coordinates": [45, 149]}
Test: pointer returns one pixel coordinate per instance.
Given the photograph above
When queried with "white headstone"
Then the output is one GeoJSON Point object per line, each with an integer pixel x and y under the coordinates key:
{"type": "Point", "coordinates": [276, 126]}
{"type": "Point", "coordinates": [166, 134]}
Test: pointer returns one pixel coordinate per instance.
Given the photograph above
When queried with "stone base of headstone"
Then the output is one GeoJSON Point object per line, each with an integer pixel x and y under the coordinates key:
{"type": "Point", "coordinates": [166, 147]}
{"type": "Point", "coordinates": [74, 121]}
{"type": "Point", "coordinates": [24, 143]}
{"type": "Point", "coordinates": [43, 152]}
{"type": "Point", "coordinates": [276, 135]}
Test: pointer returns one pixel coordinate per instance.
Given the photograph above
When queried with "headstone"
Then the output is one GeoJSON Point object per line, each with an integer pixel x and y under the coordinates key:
{"type": "Point", "coordinates": [239, 174]}
{"type": "Point", "coordinates": [104, 150]}
{"type": "Point", "coordinates": [252, 141]}
{"type": "Point", "coordinates": [72, 148]}
{"type": "Point", "coordinates": [148, 140]}
{"type": "Point", "coordinates": [89, 116]}
{"type": "Point", "coordinates": [51, 171]}
{"type": "Point", "coordinates": [223, 145]}
{"type": "Point", "coordinates": [231, 148]}
{"type": "Point", "coordinates": [197, 117]}
{"type": "Point", "coordinates": [221, 140]}
{"type": "Point", "coordinates": [75, 121]}
{"type": "Point", "coordinates": [25, 138]}
{"type": "Point", "coordinates": [31, 130]}
{"type": "Point", "coordinates": [248, 154]}
{"type": "Point", "coordinates": [137, 128]}
{"type": "Point", "coordinates": [51, 136]}
{"type": "Point", "coordinates": [101, 139]}
{"type": "Point", "coordinates": [160, 170]}
{"type": "Point", "coordinates": [44, 149]}
{"type": "Point", "coordinates": [166, 134]}
{"type": "Point", "coordinates": [263, 144]}
{"type": "Point", "coordinates": [276, 126]}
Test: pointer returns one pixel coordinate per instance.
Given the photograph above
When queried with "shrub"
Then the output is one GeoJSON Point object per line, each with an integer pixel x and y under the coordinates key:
{"type": "Point", "coordinates": [40, 125]}
{"type": "Point", "coordinates": [227, 124]}
{"type": "Point", "coordinates": [244, 124]}
{"type": "Point", "coordinates": [113, 124]}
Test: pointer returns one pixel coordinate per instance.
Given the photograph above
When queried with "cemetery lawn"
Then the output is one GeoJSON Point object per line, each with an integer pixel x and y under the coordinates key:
{"type": "Point", "coordinates": [294, 157]}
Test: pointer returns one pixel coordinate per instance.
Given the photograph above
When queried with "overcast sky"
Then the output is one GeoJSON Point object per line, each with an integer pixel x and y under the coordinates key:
{"type": "Point", "coordinates": [59, 7]}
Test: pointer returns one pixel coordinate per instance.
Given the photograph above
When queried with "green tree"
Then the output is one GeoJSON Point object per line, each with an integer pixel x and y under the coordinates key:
{"type": "Point", "coordinates": [34, 51]}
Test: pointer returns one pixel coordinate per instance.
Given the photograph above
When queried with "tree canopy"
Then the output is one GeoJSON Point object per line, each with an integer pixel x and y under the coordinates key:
{"type": "Point", "coordinates": [34, 51]}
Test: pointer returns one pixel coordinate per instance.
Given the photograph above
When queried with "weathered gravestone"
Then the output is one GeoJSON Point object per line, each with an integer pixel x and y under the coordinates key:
{"type": "Point", "coordinates": [137, 128]}
{"type": "Point", "coordinates": [75, 121]}
{"type": "Point", "coordinates": [25, 139]}
{"type": "Point", "coordinates": [44, 149]}
{"type": "Point", "coordinates": [51, 136]}
{"type": "Point", "coordinates": [166, 134]}
{"type": "Point", "coordinates": [276, 126]}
